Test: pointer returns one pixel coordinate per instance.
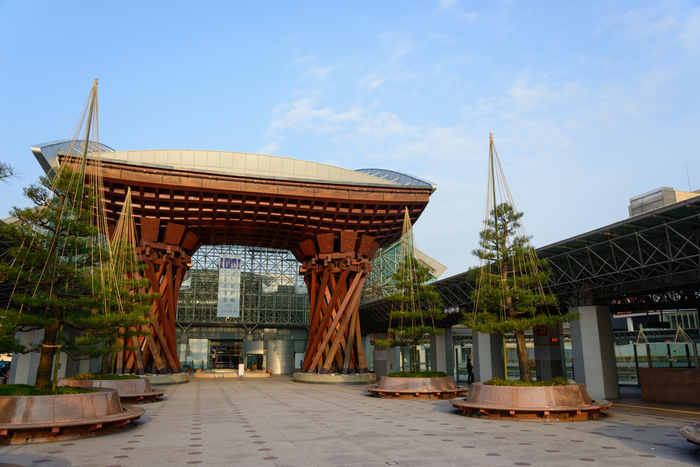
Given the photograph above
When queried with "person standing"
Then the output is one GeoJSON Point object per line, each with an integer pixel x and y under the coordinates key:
{"type": "Point", "coordinates": [470, 371]}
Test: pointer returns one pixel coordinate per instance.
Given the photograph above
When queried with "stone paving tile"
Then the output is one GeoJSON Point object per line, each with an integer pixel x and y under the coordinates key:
{"type": "Point", "coordinates": [275, 422]}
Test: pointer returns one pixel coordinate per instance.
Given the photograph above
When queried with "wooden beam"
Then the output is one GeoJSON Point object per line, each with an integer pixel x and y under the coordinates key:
{"type": "Point", "coordinates": [352, 300]}
{"type": "Point", "coordinates": [327, 337]}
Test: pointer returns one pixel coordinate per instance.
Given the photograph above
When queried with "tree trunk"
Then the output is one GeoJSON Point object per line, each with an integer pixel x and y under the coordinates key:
{"type": "Point", "coordinates": [523, 359]}
{"type": "Point", "coordinates": [105, 363]}
{"type": "Point", "coordinates": [43, 373]}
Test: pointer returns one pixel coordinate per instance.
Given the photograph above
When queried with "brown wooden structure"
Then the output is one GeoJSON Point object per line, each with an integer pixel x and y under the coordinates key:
{"type": "Point", "coordinates": [333, 228]}
{"type": "Point", "coordinates": [335, 268]}
{"type": "Point", "coordinates": [234, 210]}
{"type": "Point", "coordinates": [167, 259]}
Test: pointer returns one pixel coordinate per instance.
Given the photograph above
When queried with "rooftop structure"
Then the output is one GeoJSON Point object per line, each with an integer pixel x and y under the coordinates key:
{"type": "Point", "coordinates": [233, 198]}
{"type": "Point", "coordinates": [658, 198]}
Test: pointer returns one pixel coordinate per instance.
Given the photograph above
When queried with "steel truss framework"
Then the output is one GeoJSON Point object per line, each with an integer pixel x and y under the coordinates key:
{"type": "Point", "coordinates": [648, 261]}
{"type": "Point", "coordinates": [651, 253]}
{"type": "Point", "coordinates": [455, 292]}
{"type": "Point", "coordinates": [272, 291]}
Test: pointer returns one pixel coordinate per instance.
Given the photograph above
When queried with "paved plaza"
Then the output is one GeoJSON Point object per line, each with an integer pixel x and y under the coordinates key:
{"type": "Point", "coordinates": [276, 422]}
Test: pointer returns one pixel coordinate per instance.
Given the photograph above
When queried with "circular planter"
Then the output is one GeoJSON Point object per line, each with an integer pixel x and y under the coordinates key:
{"type": "Point", "coordinates": [691, 433]}
{"type": "Point", "coordinates": [131, 391]}
{"type": "Point", "coordinates": [417, 388]}
{"type": "Point", "coordinates": [547, 403]}
{"type": "Point", "coordinates": [37, 419]}
{"type": "Point", "coordinates": [334, 378]}
{"type": "Point", "coordinates": [172, 378]}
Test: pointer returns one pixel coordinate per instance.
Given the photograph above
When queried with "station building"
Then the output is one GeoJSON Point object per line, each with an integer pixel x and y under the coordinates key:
{"type": "Point", "coordinates": [259, 209]}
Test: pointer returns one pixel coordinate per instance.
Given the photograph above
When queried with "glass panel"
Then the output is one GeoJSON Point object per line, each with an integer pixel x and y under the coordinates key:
{"type": "Point", "coordinates": [272, 291]}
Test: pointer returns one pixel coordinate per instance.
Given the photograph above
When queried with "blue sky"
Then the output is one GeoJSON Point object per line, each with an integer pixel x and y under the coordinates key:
{"type": "Point", "coordinates": [590, 103]}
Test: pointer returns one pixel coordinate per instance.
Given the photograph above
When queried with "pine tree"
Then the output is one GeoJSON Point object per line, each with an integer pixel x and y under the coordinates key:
{"type": "Point", "coordinates": [63, 273]}
{"type": "Point", "coordinates": [509, 295]}
{"type": "Point", "coordinates": [417, 306]}
{"type": "Point", "coordinates": [6, 171]}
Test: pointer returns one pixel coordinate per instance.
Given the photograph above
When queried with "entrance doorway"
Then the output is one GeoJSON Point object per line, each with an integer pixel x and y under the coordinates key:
{"type": "Point", "coordinates": [225, 354]}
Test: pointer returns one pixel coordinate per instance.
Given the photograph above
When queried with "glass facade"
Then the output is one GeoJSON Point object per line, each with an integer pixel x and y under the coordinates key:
{"type": "Point", "coordinates": [380, 282]}
{"type": "Point", "coordinates": [272, 295]}
{"type": "Point", "coordinates": [272, 292]}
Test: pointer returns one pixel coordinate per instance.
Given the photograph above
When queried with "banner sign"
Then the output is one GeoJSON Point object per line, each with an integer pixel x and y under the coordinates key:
{"type": "Point", "coordinates": [229, 305]}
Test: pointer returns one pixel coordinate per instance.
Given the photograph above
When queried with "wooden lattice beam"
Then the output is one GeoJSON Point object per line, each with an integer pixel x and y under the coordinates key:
{"type": "Point", "coordinates": [335, 269]}
{"type": "Point", "coordinates": [167, 256]}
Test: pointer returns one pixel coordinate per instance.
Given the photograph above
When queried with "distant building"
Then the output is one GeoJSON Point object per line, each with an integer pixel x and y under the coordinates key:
{"type": "Point", "coordinates": [658, 198]}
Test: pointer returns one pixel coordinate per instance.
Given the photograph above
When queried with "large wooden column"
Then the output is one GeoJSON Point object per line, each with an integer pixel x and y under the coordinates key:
{"type": "Point", "coordinates": [335, 268]}
{"type": "Point", "coordinates": [167, 260]}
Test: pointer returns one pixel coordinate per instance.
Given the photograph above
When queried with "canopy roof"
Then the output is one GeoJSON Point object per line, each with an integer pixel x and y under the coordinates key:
{"type": "Point", "coordinates": [252, 199]}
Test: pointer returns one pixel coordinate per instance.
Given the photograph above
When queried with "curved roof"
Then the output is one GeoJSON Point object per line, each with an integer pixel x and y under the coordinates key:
{"type": "Point", "coordinates": [398, 177]}
{"type": "Point", "coordinates": [251, 199]}
{"type": "Point", "coordinates": [237, 164]}
{"type": "Point", "coordinates": [47, 153]}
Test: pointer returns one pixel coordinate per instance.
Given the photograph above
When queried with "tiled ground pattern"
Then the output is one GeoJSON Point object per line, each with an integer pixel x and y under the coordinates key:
{"type": "Point", "coordinates": [275, 422]}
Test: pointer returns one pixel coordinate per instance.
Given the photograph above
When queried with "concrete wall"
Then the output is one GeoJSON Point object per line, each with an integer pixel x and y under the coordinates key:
{"type": "Point", "coordinates": [441, 353]}
{"type": "Point", "coordinates": [386, 360]}
{"type": "Point", "coordinates": [594, 351]}
{"type": "Point", "coordinates": [488, 356]}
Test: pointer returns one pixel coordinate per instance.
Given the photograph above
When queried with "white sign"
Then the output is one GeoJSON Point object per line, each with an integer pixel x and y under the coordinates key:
{"type": "Point", "coordinates": [229, 305]}
{"type": "Point", "coordinates": [380, 354]}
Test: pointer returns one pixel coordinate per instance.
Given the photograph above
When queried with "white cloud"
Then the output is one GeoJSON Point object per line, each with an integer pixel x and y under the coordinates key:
{"type": "Point", "coordinates": [467, 17]}
{"type": "Point", "coordinates": [374, 133]}
{"type": "Point", "coordinates": [561, 117]}
{"type": "Point", "coordinates": [301, 115]}
{"type": "Point", "coordinates": [312, 69]}
{"type": "Point", "coordinates": [318, 72]}
{"type": "Point", "coordinates": [396, 42]}
{"type": "Point", "coordinates": [435, 36]}
{"type": "Point", "coordinates": [528, 96]}
{"type": "Point", "coordinates": [372, 82]}
{"type": "Point", "coordinates": [642, 23]}
{"type": "Point", "coordinates": [451, 6]}
{"type": "Point", "coordinates": [402, 51]}
{"type": "Point", "coordinates": [445, 4]}
{"type": "Point", "coordinates": [690, 36]}
{"type": "Point", "coordinates": [272, 148]}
